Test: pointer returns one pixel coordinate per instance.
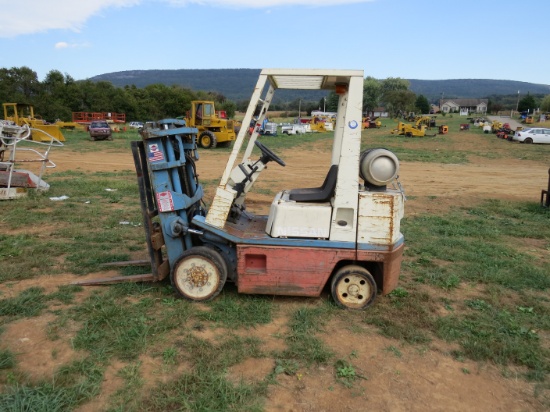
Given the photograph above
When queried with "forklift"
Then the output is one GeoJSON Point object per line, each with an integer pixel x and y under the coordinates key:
{"type": "Point", "coordinates": [344, 234]}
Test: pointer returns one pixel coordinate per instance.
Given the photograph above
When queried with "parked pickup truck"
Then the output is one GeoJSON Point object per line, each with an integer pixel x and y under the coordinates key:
{"type": "Point", "coordinates": [294, 128]}
{"type": "Point", "coordinates": [100, 130]}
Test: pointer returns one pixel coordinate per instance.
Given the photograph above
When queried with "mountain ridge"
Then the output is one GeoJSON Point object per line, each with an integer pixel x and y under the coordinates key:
{"type": "Point", "coordinates": [238, 84]}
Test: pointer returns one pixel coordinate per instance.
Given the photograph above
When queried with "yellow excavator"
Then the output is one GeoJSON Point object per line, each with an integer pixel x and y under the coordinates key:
{"type": "Point", "coordinates": [23, 114]}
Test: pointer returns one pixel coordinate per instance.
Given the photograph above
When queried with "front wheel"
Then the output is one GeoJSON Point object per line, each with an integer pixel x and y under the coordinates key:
{"type": "Point", "coordinates": [199, 274]}
{"type": "Point", "coordinates": [207, 140]}
{"type": "Point", "coordinates": [353, 287]}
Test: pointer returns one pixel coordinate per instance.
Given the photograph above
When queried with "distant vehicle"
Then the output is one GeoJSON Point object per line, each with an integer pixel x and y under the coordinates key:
{"type": "Point", "coordinates": [135, 125]}
{"type": "Point", "coordinates": [100, 130]}
{"type": "Point", "coordinates": [293, 128]}
{"type": "Point", "coordinates": [533, 135]}
{"type": "Point", "coordinates": [269, 129]}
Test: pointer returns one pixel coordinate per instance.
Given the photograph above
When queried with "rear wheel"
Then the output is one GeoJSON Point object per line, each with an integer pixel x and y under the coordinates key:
{"type": "Point", "coordinates": [353, 287]}
{"type": "Point", "coordinates": [528, 140]}
{"type": "Point", "coordinates": [207, 140]}
{"type": "Point", "coordinates": [199, 274]}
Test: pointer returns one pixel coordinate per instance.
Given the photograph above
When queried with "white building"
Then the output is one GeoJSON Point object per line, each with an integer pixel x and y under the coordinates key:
{"type": "Point", "coordinates": [464, 105]}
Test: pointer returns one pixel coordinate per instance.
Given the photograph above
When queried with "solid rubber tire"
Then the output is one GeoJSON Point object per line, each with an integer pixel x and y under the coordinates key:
{"type": "Point", "coordinates": [216, 271]}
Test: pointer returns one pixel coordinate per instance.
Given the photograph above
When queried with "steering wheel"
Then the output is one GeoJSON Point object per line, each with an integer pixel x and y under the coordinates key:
{"type": "Point", "coordinates": [268, 154]}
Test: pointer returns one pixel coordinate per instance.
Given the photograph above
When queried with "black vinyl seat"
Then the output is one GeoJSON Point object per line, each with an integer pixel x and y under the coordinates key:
{"type": "Point", "coordinates": [317, 194]}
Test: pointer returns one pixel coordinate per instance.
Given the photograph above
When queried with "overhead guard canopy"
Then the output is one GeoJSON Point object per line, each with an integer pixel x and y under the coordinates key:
{"type": "Point", "coordinates": [308, 80]}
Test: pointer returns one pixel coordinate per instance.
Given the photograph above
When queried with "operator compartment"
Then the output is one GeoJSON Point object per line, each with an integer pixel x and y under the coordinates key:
{"type": "Point", "coordinates": [288, 218]}
{"type": "Point", "coordinates": [303, 213]}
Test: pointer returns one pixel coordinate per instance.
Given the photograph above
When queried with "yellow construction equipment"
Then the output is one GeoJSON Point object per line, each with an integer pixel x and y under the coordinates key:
{"type": "Point", "coordinates": [70, 125]}
{"type": "Point", "coordinates": [213, 130]}
{"type": "Point", "coordinates": [417, 130]}
{"type": "Point", "coordinates": [321, 124]}
{"type": "Point", "coordinates": [496, 126]}
{"type": "Point", "coordinates": [23, 114]}
{"type": "Point", "coordinates": [529, 119]}
{"type": "Point", "coordinates": [375, 123]}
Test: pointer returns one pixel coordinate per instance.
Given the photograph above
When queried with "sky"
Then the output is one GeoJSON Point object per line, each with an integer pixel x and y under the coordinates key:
{"type": "Point", "coordinates": [411, 39]}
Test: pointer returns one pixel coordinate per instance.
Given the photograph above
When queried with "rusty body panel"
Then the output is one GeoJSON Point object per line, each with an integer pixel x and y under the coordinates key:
{"type": "Point", "coordinates": [391, 265]}
{"type": "Point", "coordinates": [287, 270]}
{"type": "Point", "coordinates": [379, 217]}
{"type": "Point", "coordinates": [304, 271]}
{"type": "Point", "coordinates": [299, 267]}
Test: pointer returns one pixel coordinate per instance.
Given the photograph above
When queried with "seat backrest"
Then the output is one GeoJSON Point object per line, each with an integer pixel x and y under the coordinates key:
{"type": "Point", "coordinates": [317, 194]}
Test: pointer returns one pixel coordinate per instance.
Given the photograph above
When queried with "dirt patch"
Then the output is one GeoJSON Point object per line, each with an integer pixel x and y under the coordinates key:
{"type": "Point", "coordinates": [391, 378]}
{"type": "Point", "coordinates": [112, 382]}
{"type": "Point", "coordinates": [38, 357]}
{"type": "Point", "coordinates": [251, 370]}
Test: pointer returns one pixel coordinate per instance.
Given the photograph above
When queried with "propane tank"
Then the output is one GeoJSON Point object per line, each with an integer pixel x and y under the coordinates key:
{"type": "Point", "coordinates": [378, 167]}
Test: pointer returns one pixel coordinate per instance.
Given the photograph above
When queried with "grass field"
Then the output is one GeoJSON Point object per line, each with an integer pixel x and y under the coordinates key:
{"type": "Point", "coordinates": [474, 288]}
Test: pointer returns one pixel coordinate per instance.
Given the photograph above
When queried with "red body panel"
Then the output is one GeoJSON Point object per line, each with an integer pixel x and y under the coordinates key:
{"type": "Point", "coordinates": [391, 266]}
{"type": "Point", "coordinates": [304, 271]}
{"type": "Point", "coordinates": [286, 271]}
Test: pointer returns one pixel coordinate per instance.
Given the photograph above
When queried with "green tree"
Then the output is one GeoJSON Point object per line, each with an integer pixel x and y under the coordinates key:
{"type": "Point", "coordinates": [394, 84]}
{"type": "Point", "coordinates": [51, 103]}
{"type": "Point", "coordinates": [19, 85]}
{"type": "Point", "coordinates": [528, 103]}
{"type": "Point", "coordinates": [372, 92]}
{"type": "Point", "coordinates": [399, 101]}
{"type": "Point", "coordinates": [422, 104]}
{"type": "Point", "coordinates": [332, 102]}
{"type": "Point", "coordinates": [397, 96]}
{"type": "Point", "coordinates": [230, 108]}
{"type": "Point", "coordinates": [545, 104]}
{"type": "Point", "coordinates": [494, 107]}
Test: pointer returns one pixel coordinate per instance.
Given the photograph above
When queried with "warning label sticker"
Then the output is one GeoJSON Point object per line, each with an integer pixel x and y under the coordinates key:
{"type": "Point", "coordinates": [165, 202]}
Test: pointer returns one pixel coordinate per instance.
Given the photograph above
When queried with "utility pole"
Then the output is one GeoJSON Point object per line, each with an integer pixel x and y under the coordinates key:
{"type": "Point", "coordinates": [517, 103]}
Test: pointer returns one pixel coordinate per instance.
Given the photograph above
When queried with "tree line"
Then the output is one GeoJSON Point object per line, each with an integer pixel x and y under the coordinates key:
{"type": "Point", "coordinates": [58, 95]}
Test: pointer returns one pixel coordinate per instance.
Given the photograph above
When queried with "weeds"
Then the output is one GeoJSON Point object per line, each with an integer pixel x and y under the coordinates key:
{"type": "Point", "coordinates": [232, 310]}
{"type": "Point", "coordinates": [114, 324]}
{"type": "Point", "coordinates": [302, 343]}
{"type": "Point", "coordinates": [205, 390]}
{"type": "Point", "coordinates": [7, 359]}
{"type": "Point", "coordinates": [72, 385]}
{"type": "Point", "coordinates": [29, 302]}
{"type": "Point", "coordinates": [499, 334]}
{"type": "Point", "coordinates": [128, 398]}
{"type": "Point", "coordinates": [475, 245]}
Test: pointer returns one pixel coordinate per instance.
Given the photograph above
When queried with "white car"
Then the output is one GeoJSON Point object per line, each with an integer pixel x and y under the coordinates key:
{"type": "Point", "coordinates": [135, 125]}
{"type": "Point", "coordinates": [533, 135]}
